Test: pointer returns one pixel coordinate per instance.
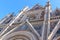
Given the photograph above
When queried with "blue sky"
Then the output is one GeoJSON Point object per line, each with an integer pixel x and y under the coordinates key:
{"type": "Point", "coordinates": [9, 6]}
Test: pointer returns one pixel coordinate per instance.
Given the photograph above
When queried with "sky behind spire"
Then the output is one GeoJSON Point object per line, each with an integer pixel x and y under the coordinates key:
{"type": "Point", "coordinates": [9, 6]}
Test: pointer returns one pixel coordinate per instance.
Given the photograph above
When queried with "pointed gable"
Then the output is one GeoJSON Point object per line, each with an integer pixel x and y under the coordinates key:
{"type": "Point", "coordinates": [56, 12]}
{"type": "Point", "coordinates": [36, 7]}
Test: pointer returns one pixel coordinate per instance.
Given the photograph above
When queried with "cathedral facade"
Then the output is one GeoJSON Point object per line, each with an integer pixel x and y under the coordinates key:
{"type": "Point", "coordinates": [37, 23]}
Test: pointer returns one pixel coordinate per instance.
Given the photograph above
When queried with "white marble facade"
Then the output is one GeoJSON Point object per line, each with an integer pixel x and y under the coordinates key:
{"type": "Point", "coordinates": [21, 30]}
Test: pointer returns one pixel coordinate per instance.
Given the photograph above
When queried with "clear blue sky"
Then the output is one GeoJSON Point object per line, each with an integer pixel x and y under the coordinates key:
{"type": "Point", "coordinates": [9, 6]}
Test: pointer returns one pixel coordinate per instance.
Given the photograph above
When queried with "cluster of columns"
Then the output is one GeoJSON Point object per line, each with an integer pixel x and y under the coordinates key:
{"type": "Point", "coordinates": [46, 22]}
{"type": "Point", "coordinates": [46, 25]}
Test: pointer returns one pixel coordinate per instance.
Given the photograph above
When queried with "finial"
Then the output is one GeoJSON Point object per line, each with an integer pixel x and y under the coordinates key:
{"type": "Point", "coordinates": [48, 0]}
{"type": "Point", "coordinates": [48, 3]}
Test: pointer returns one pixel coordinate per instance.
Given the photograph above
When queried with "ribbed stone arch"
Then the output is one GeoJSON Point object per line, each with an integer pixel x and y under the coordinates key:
{"type": "Point", "coordinates": [58, 38]}
{"type": "Point", "coordinates": [20, 35]}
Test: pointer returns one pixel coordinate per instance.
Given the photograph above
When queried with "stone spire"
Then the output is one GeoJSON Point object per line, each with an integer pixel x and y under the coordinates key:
{"type": "Point", "coordinates": [46, 24]}
{"type": "Point", "coordinates": [48, 3]}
